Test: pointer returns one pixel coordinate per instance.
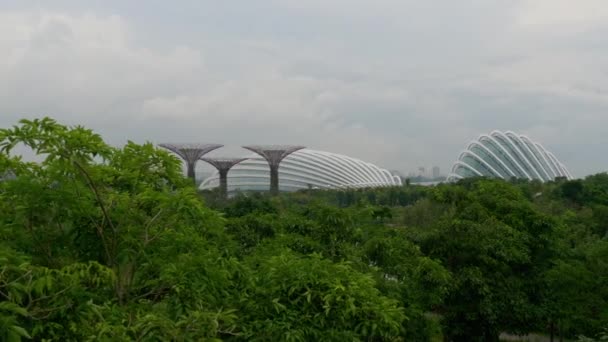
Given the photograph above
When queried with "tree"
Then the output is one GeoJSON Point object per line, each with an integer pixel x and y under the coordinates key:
{"type": "Point", "coordinates": [307, 298]}
{"type": "Point", "coordinates": [404, 273]}
{"type": "Point", "coordinates": [100, 225]}
{"type": "Point", "coordinates": [113, 243]}
{"type": "Point", "coordinates": [497, 248]}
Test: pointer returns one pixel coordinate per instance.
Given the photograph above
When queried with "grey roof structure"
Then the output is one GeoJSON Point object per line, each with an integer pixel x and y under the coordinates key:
{"type": "Point", "coordinates": [190, 153]}
{"type": "Point", "coordinates": [274, 154]}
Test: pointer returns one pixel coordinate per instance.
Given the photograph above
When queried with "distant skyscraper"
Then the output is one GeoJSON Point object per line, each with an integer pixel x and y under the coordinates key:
{"type": "Point", "coordinates": [422, 171]}
{"type": "Point", "coordinates": [436, 172]}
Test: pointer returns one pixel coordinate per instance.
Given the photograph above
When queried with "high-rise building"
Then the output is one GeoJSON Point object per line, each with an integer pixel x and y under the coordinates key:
{"type": "Point", "coordinates": [436, 172]}
{"type": "Point", "coordinates": [422, 171]}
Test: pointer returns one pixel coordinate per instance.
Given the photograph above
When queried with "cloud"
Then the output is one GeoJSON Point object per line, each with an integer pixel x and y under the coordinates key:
{"type": "Point", "coordinates": [83, 65]}
{"type": "Point", "coordinates": [562, 16]}
{"type": "Point", "coordinates": [399, 83]}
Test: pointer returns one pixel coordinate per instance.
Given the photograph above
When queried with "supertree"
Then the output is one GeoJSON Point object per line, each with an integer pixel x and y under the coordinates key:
{"type": "Point", "coordinates": [274, 154]}
{"type": "Point", "coordinates": [191, 153]}
{"type": "Point", "coordinates": [223, 165]}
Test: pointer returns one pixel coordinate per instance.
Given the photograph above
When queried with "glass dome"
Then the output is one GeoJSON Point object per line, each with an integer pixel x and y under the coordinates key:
{"type": "Point", "coordinates": [305, 169]}
{"type": "Point", "coordinates": [507, 155]}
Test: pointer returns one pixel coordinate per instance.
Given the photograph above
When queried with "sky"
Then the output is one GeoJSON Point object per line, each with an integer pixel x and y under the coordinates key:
{"type": "Point", "coordinates": [398, 83]}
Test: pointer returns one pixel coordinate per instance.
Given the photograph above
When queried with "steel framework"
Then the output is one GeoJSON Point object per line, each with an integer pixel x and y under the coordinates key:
{"type": "Point", "coordinates": [507, 155]}
{"type": "Point", "coordinates": [304, 169]}
{"type": "Point", "coordinates": [223, 165]}
{"type": "Point", "coordinates": [190, 153]}
{"type": "Point", "coordinates": [274, 154]}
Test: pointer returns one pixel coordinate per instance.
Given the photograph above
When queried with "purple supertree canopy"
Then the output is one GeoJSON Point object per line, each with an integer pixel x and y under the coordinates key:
{"type": "Point", "coordinates": [273, 154]}
{"type": "Point", "coordinates": [221, 163]}
{"type": "Point", "coordinates": [191, 152]}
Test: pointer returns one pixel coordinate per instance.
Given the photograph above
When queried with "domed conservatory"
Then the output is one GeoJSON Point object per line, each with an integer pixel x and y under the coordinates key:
{"type": "Point", "coordinates": [305, 169]}
{"type": "Point", "coordinates": [507, 155]}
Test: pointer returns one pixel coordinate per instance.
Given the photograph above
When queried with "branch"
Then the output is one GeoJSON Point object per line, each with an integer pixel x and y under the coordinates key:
{"type": "Point", "coordinates": [98, 227]}
{"type": "Point", "coordinates": [156, 235]}
{"type": "Point", "coordinates": [35, 238]}
{"type": "Point", "coordinates": [19, 278]}
{"type": "Point", "coordinates": [101, 205]}
{"type": "Point", "coordinates": [150, 224]}
{"type": "Point", "coordinates": [56, 294]}
{"type": "Point", "coordinates": [156, 292]}
{"type": "Point", "coordinates": [228, 332]}
{"type": "Point", "coordinates": [96, 192]}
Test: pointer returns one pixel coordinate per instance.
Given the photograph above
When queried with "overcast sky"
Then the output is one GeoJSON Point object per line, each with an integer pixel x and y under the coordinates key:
{"type": "Point", "coordinates": [395, 82]}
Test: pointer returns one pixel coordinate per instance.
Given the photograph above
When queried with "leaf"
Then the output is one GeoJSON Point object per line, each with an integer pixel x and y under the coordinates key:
{"type": "Point", "coordinates": [20, 331]}
{"type": "Point", "coordinates": [13, 308]}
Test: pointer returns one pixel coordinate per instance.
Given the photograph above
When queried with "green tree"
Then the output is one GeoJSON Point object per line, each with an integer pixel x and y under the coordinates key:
{"type": "Point", "coordinates": [497, 248]}
{"type": "Point", "coordinates": [101, 225]}
{"type": "Point", "coordinates": [308, 298]}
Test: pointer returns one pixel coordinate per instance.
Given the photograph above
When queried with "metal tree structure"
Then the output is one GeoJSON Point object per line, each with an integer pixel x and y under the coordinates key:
{"type": "Point", "coordinates": [273, 154]}
{"type": "Point", "coordinates": [191, 153]}
{"type": "Point", "coordinates": [223, 165]}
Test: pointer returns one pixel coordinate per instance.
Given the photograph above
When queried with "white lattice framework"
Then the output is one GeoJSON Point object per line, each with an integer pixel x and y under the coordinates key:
{"type": "Point", "coordinates": [305, 169]}
{"type": "Point", "coordinates": [507, 155]}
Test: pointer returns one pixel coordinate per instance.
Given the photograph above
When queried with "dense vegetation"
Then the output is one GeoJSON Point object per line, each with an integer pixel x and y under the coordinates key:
{"type": "Point", "coordinates": [103, 243]}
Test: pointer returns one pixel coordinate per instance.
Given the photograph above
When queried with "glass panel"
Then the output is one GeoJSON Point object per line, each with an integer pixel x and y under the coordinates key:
{"type": "Point", "coordinates": [474, 163]}
{"type": "Point", "coordinates": [488, 158]}
{"type": "Point", "coordinates": [529, 157]}
{"type": "Point", "coordinates": [540, 159]}
{"type": "Point", "coordinates": [514, 153]}
{"type": "Point", "coordinates": [491, 145]}
{"type": "Point", "coordinates": [465, 172]}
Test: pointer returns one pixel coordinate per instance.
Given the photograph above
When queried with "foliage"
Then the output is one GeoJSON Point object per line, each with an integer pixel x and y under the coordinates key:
{"type": "Point", "coordinates": [308, 298]}
{"type": "Point", "coordinates": [106, 243]}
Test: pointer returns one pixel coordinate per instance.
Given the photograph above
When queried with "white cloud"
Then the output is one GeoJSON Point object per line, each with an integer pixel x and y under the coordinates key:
{"type": "Point", "coordinates": [562, 16]}
{"type": "Point", "coordinates": [83, 64]}
{"type": "Point", "coordinates": [399, 83]}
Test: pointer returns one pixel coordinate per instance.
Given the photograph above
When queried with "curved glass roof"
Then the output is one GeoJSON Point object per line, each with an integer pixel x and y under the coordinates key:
{"type": "Point", "coordinates": [305, 169]}
{"type": "Point", "coordinates": [506, 155]}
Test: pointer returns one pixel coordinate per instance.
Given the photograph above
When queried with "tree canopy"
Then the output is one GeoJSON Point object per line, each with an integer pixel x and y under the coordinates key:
{"type": "Point", "coordinates": [114, 243]}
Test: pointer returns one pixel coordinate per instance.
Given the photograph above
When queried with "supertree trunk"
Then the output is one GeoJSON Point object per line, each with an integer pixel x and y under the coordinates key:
{"type": "Point", "coordinates": [274, 154]}
{"type": "Point", "coordinates": [223, 165]}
